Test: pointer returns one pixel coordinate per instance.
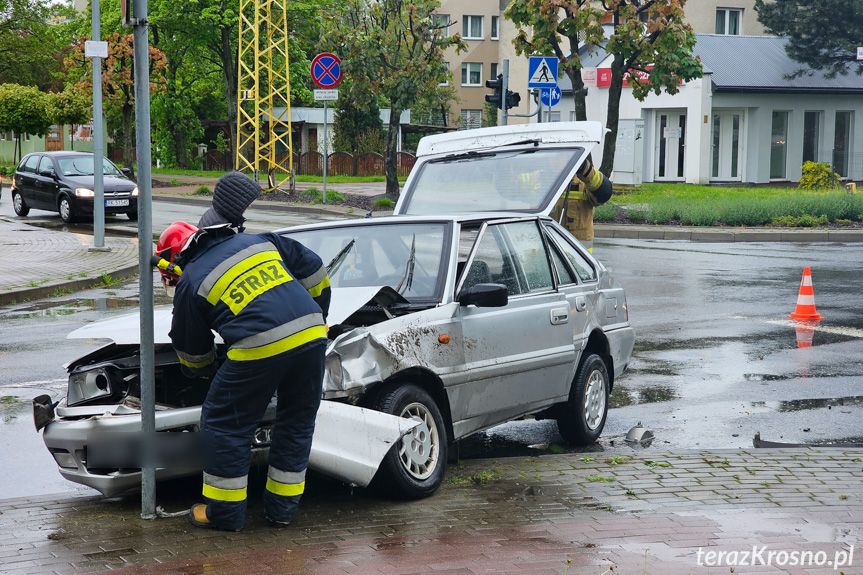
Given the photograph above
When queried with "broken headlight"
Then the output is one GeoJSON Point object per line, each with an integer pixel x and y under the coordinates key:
{"type": "Point", "coordinates": [86, 386]}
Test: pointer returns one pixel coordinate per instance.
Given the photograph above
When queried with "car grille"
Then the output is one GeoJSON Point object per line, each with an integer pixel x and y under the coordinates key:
{"type": "Point", "coordinates": [117, 194]}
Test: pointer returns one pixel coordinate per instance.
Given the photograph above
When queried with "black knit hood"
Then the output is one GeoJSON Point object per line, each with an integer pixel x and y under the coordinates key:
{"type": "Point", "coordinates": [234, 192]}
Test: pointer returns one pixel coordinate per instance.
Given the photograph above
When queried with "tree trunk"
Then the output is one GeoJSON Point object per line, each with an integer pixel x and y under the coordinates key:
{"type": "Point", "coordinates": [230, 73]}
{"type": "Point", "coordinates": [578, 95]}
{"type": "Point", "coordinates": [391, 154]}
{"type": "Point", "coordinates": [128, 132]}
{"type": "Point", "coordinates": [614, 92]}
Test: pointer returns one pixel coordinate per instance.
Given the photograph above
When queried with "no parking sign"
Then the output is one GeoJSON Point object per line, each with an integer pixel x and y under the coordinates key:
{"type": "Point", "coordinates": [326, 70]}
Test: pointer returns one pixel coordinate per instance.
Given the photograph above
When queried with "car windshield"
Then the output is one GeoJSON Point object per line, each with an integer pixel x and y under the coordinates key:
{"type": "Point", "coordinates": [520, 181]}
{"type": "Point", "coordinates": [406, 257]}
{"type": "Point", "coordinates": [83, 166]}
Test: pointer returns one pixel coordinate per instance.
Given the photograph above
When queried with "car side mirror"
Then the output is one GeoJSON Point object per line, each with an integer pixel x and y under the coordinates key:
{"type": "Point", "coordinates": [484, 295]}
{"type": "Point", "coordinates": [126, 172]}
{"type": "Point", "coordinates": [46, 174]}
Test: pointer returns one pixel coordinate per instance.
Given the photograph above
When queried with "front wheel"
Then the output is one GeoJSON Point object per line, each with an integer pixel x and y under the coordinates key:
{"type": "Point", "coordinates": [21, 208]}
{"type": "Point", "coordinates": [65, 208]}
{"type": "Point", "coordinates": [580, 420]}
{"type": "Point", "coordinates": [415, 466]}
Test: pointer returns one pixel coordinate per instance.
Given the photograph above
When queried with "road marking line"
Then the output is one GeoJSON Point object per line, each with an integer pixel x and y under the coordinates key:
{"type": "Point", "coordinates": [836, 330]}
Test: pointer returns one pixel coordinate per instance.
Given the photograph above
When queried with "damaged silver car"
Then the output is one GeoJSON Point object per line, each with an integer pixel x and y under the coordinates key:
{"type": "Point", "coordinates": [468, 308]}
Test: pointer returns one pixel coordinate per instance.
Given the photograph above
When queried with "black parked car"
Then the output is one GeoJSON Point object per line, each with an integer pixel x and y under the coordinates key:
{"type": "Point", "coordinates": [63, 182]}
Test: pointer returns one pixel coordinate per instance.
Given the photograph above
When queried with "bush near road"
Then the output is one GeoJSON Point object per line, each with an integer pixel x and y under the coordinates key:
{"type": "Point", "coordinates": [691, 205]}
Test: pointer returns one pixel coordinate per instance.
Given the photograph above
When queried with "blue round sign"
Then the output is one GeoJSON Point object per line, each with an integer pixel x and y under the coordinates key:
{"type": "Point", "coordinates": [550, 96]}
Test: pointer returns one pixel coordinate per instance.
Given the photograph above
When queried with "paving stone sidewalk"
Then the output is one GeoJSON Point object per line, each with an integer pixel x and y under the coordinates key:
{"type": "Point", "coordinates": [657, 513]}
{"type": "Point", "coordinates": [40, 263]}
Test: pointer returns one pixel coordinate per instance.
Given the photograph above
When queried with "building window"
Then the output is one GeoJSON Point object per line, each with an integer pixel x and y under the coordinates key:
{"type": "Point", "coordinates": [445, 81]}
{"type": "Point", "coordinates": [728, 21]}
{"type": "Point", "coordinates": [471, 119]}
{"type": "Point", "coordinates": [778, 144]}
{"type": "Point", "coordinates": [842, 142]}
{"type": "Point", "coordinates": [811, 135]}
{"type": "Point", "coordinates": [471, 28]}
{"type": "Point", "coordinates": [442, 21]}
{"type": "Point", "coordinates": [494, 71]}
{"type": "Point", "coordinates": [495, 24]}
{"type": "Point", "coordinates": [471, 74]}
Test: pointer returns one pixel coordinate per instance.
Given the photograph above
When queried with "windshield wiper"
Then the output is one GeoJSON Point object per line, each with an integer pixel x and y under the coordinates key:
{"type": "Point", "coordinates": [340, 257]}
{"type": "Point", "coordinates": [464, 156]}
{"type": "Point", "coordinates": [409, 270]}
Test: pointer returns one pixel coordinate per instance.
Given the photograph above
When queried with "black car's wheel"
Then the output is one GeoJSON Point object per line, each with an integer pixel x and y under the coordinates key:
{"type": "Point", "coordinates": [415, 466]}
{"type": "Point", "coordinates": [581, 419]}
{"type": "Point", "coordinates": [133, 215]}
{"type": "Point", "coordinates": [65, 208]}
{"type": "Point", "coordinates": [21, 208]}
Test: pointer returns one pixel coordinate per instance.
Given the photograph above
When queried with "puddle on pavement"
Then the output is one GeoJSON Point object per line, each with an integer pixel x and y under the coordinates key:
{"type": "Point", "coordinates": [12, 407]}
{"type": "Point", "coordinates": [52, 308]}
{"type": "Point", "coordinates": [805, 404]}
{"type": "Point", "coordinates": [622, 396]}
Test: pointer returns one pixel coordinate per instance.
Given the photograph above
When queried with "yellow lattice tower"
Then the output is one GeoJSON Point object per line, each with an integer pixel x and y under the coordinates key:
{"type": "Point", "coordinates": [264, 89]}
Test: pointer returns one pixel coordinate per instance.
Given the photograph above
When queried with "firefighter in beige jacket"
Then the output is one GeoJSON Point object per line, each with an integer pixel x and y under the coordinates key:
{"type": "Point", "coordinates": [588, 189]}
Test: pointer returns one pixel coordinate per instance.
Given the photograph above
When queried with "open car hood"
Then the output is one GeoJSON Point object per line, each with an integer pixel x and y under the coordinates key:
{"type": "Point", "coordinates": [523, 168]}
{"type": "Point", "coordinates": [126, 330]}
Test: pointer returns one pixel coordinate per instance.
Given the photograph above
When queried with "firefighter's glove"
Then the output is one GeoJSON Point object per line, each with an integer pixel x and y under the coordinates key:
{"type": "Point", "coordinates": [597, 184]}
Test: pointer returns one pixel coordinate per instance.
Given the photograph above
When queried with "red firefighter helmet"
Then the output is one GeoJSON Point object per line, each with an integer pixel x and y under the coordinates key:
{"type": "Point", "coordinates": [171, 242]}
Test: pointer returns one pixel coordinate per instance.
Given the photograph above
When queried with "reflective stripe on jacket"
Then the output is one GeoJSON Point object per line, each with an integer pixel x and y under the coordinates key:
{"type": "Point", "coordinates": [263, 294]}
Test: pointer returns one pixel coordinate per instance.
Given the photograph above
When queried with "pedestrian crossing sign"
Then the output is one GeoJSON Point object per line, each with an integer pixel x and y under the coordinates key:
{"type": "Point", "coordinates": [542, 72]}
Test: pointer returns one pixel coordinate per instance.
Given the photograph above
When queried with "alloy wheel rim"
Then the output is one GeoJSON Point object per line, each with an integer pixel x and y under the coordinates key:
{"type": "Point", "coordinates": [594, 399]}
{"type": "Point", "coordinates": [64, 209]}
{"type": "Point", "coordinates": [18, 202]}
{"type": "Point", "coordinates": [418, 450]}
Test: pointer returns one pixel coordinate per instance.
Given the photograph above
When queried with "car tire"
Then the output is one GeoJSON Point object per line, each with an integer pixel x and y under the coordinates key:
{"type": "Point", "coordinates": [64, 206]}
{"type": "Point", "coordinates": [580, 420]}
{"type": "Point", "coordinates": [133, 215]}
{"type": "Point", "coordinates": [415, 466]}
{"type": "Point", "coordinates": [21, 208]}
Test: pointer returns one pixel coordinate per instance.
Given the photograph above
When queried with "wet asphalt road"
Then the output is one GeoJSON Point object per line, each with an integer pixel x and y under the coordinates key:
{"type": "Point", "coordinates": [716, 358]}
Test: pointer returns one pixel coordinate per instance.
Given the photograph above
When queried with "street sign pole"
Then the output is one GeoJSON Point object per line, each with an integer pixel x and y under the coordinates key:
{"type": "Point", "coordinates": [98, 179]}
{"type": "Point", "coordinates": [325, 153]}
{"type": "Point", "coordinates": [145, 252]}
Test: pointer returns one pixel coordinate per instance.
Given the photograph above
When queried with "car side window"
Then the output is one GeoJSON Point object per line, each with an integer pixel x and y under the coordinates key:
{"type": "Point", "coordinates": [584, 270]}
{"type": "Point", "coordinates": [513, 255]}
{"type": "Point", "coordinates": [30, 165]}
{"type": "Point", "coordinates": [46, 165]}
{"type": "Point", "coordinates": [563, 273]}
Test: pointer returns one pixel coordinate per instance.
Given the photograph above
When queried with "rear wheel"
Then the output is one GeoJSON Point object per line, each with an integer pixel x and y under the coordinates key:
{"type": "Point", "coordinates": [581, 419]}
{"type": "Point", "coordinates": [65, 208]}
{"type": "Point", "coordinates": [21, 208]}
{"type": "Point", "coordinates": [415, 466]}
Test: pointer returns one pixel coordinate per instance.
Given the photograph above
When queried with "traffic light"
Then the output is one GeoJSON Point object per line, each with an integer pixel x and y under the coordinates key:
{"type": "Point", "coordinates": [495, 98]}
{"type": "Point", "coordinates": [512, 99]}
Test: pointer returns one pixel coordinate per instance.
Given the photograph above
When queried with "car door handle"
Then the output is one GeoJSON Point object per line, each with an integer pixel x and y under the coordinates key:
{"type": "Point", "coordinates": [580, 303]}
{"type": "Point", "coordinates": [559, 315]}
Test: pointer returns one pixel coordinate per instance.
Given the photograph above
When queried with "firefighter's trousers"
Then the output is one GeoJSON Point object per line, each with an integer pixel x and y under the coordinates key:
{"type": "Point", "coordinates": [238, 397]}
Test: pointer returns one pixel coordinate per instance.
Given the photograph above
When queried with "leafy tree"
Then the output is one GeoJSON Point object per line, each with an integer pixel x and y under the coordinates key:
{"type": "Point", "coordinates": [661, 48]}
{"type": "Point", "coordinates": [33, 42]}
{"type": "Point", "coordinates": [822, 34]}
{"type": "Point", "coordinates": [118, 81]}
{"type": "Point", "coordinates": [394, 48]}
{"type": "Point", "coordinates": [24, 110]}
{"type": "Point", "coordinates": [354, 117]}
{"type": "Point", "coordinates": [71, 107]}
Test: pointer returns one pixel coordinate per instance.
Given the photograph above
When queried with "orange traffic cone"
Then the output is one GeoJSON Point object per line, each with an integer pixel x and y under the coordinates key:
{"type": "Point", "coordinates": [806, 299]}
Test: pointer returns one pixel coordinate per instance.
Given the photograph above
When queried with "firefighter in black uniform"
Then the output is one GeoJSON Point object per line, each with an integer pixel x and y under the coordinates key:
{"type": "Point", "coordinates": [267, 296]}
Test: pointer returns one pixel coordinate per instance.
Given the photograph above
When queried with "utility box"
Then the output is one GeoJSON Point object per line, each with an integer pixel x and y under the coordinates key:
{"type": "Point", "coordinates": [629, 153]}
